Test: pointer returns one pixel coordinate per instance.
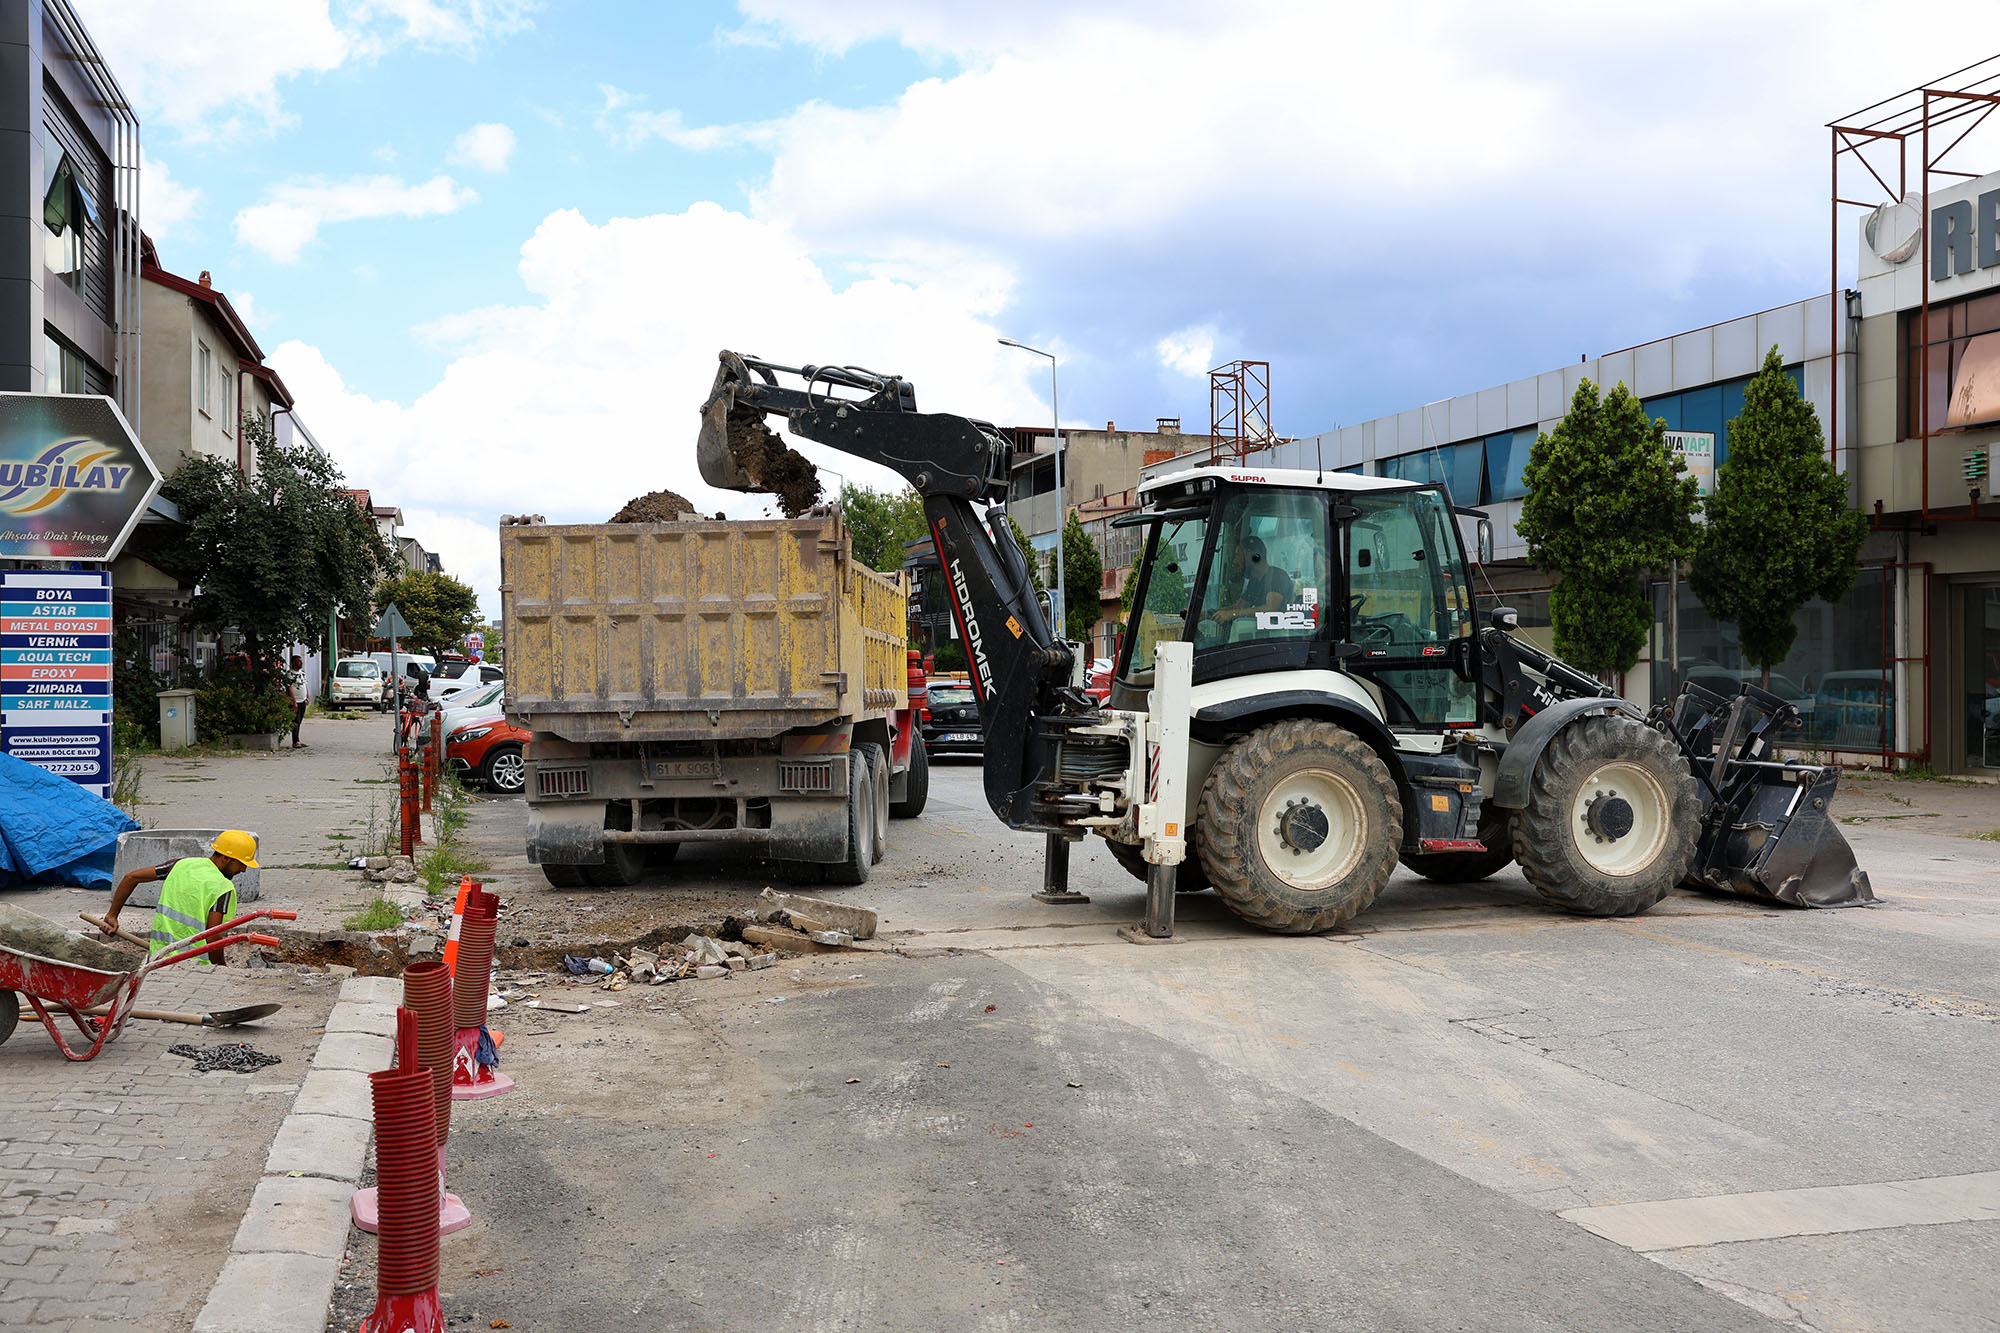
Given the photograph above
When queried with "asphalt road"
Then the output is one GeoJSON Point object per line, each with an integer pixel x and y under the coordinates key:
{"type": "Point", "coordinates": [1467, 1112]}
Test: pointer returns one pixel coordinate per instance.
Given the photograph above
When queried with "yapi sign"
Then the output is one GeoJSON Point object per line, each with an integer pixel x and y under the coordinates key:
{"type": "Point", "coordinates": [73, 478]}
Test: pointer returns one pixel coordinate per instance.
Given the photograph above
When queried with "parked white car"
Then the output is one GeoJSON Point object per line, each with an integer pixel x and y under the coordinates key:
{"type": "Point", "coordinates": [474, 678]}
{"type": "Point", "coordinates": [357, 681]}
{"type": "Point", "coordinates": [476, 702]}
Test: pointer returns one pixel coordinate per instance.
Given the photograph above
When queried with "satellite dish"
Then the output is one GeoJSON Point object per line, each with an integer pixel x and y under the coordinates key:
{"type": "Point", "coordinates": [1894, 231]}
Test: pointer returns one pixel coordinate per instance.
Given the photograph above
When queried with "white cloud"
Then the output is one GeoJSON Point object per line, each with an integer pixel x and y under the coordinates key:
{"type": "Point", "coordinates": [628, 125]}
{"type": "Point", "coordinates": [486, 147]}
{"type": "Point", "coordinates": [165, 204]}
{"type": "Point", "coordinates": [291, 215]}
{"type": "Point", "coordinates": [252, 312]}
{"type": "Point", "coordinates": [1190, 351]}
{"type": "Point", "coordinates": [204, 68]}
{"type": "Point", "coordinates": [589, 393]}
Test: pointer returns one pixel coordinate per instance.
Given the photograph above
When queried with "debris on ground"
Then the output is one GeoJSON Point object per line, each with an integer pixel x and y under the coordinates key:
{"type": "Point", "coordinates": [233, 1057]}
{"type": "Point", "coordinates": [785, 938]}
{"type": "Point", "coordinates": [810, 914]}
{"type": "Point", "coordinates": [654, 507]}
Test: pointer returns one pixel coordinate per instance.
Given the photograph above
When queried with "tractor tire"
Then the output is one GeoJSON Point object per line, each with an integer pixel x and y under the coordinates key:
{"type": "Point", "coordinates": [878, 789]}
{"type": "Point", "coordinates": [1611, 820]}
{"type": "Point", "coordinates": [564, 877]}
{"type": "Point", "coordinates": [917, 784]}
{"type": "Point", "coordinates": [1471, 867]}
{"type": "Point", "coordinates": [1190, 878]}
{"type": "Point", "coordinates": [1299, 824]}
{"type": "Point", "coordinates": [860, 828]}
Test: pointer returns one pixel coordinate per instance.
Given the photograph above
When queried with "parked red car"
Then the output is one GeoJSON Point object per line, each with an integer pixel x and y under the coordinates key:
{"type": "Point", "coordinates": [490, 751]}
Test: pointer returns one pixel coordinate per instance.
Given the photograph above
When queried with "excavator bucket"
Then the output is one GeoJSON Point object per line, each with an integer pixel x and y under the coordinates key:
{"type": "Point", "coordinates": [713, 451]}
{"type": "Point", "coordinates": [1768, 829]}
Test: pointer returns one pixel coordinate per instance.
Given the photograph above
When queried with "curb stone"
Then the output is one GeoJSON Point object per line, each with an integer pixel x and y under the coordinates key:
{"type": "Point", "coordinates": [283, 1264]}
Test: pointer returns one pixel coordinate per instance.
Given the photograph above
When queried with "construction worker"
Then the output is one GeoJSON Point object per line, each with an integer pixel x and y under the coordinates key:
{"type": "Point", "coordinates": [198, 894]}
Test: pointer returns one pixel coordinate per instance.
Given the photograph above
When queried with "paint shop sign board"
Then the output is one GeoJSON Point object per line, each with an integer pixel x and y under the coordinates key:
{"type": "Point", "coordinates": [1697, 450]}
{"type": "Point", "coordinates": [55, 672]}
{"type": "Point", "coordinates": [74, 480]}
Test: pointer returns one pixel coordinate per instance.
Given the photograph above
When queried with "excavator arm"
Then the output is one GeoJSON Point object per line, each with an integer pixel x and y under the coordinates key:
{"type": "Point", "coordinates": [1021, 672]}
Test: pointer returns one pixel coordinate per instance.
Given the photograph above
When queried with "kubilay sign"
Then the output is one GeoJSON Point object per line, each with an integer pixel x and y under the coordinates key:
{"type": "Point", "coordinates": [55, 672]}
{"type": "Point", "coordinates": [73, 478]}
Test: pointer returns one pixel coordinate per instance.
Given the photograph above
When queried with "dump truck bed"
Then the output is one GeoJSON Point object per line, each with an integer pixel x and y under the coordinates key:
{"type": "Point", "coordinates": [697, 630]}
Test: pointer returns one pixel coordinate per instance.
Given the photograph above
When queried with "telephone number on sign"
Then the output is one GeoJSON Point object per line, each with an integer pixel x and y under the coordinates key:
{"type": "Point", "coordinates": [72, 770]}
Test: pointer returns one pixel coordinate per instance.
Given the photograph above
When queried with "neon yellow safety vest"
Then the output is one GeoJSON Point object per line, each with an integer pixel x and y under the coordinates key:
{"type": "Point", "coordinates": [190, 892]}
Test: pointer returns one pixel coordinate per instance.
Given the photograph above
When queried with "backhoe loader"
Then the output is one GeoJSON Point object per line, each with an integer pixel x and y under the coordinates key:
{"type": "Point", "coordinates": [1305, 696]}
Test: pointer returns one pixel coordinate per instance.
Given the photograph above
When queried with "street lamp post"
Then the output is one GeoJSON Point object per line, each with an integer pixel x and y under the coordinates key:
{"type": "Point", "coordinates": [1060, 600]}
{"type": "Point", "coordinates": [1055, 863]}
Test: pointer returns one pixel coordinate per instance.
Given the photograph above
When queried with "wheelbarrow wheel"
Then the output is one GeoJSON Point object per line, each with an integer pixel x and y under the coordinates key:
{"type": "Point", "coordinates": [10, 1014]}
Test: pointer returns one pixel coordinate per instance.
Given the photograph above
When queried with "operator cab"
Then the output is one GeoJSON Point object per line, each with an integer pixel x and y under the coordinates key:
{"type": "Point", "coordinates": [1281, 570]}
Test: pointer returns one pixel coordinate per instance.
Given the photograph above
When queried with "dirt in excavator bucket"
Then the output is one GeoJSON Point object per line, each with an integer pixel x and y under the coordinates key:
{"type": "Point", "coordinates": [739, 452]}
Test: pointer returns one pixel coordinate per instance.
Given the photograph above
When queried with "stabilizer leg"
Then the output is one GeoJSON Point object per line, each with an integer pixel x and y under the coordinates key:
{"type": "Point", "coordinates": [1055, 873]}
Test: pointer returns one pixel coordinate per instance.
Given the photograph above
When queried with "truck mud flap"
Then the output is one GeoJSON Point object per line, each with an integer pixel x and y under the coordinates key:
{"type": "Point", "coordinates": [1772, 837]}
{"type": "Point", "coordinates": [566, 834]}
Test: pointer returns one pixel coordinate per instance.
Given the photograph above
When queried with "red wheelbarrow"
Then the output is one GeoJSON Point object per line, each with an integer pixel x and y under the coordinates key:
{"type": "Point", "coordinates": [92, 976]}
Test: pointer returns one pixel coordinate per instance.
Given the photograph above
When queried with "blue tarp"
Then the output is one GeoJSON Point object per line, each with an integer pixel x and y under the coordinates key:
{"type": "Point", "coordinates": [53, 831]}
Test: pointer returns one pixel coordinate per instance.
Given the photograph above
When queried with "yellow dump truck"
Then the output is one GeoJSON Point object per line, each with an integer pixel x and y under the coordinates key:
{"type": "Point", "coordinates": [739, 682]}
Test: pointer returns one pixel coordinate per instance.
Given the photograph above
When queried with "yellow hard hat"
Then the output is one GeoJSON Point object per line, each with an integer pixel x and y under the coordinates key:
{"type": "Point", "coordinates": [237, 846]}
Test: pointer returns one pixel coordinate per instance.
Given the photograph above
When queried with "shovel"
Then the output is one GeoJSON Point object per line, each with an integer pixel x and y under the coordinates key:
{"type": "Point", "coordinates": [220, 1018]}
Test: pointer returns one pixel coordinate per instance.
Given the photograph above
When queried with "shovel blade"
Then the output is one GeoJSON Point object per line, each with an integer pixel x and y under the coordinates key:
{"type": "Point", "coordinates": [1781, 844]}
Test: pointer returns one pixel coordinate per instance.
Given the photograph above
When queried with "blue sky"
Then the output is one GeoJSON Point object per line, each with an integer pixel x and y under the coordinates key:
{"type": "Point", "coordinates": [493, 245]}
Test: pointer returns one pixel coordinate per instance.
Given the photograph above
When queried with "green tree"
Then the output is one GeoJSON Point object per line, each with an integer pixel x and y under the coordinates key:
{"type": "Point", "coordinates": [1780, 530]}
{"type": "Point", "coordinates": [274, 554]}
{"type": "Point", "coordinates": [440, 610]}
{"type": "Point", "coordinates": [881, 522]}
{"type": "Point", "coordinates": [1607, 502]}
{"type": "Point", "coordinates": [1083, 579]}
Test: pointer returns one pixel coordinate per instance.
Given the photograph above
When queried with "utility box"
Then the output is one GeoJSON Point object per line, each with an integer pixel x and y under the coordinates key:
{"type": "Point", "coordinates": [176, 719]}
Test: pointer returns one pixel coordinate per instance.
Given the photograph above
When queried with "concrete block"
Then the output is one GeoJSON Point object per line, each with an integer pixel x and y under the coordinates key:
{"type": "Point", "coordinates": [710, 971]}
{"type": "Point", "coordinates": [377, 1018]}
{"type": "Point", "coordinates": [330, 1146]}
{"type": "Point", "coordinates": [856, 921]}
{"type": "Point", "coordinates": [154, 846]}
{"type": "Point", "coordinates": [737, 963]}
{"type": "Point", "coordinates": [302, 1215]}
{"type": "Point", "coordinates": [760, 961]}
{"type": "Point", "coordinates": [364, 1052]}
{"type": "Point", "coordinates": [372, 990]}
{"type": "Point", "coordinates": [342, 1092]}
{"type": "Point", "coordinates": [779, 938]}
{"type": "Point", "coordinates": [270, 1293]}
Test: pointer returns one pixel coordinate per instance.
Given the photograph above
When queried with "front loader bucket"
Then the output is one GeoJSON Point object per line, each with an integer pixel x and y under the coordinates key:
{"type": "Point", "coordinates": [1772, 836]}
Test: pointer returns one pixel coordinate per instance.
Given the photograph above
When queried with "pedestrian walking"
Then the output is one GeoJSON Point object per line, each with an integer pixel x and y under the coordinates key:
{"type": "Point", "coordinates": [301, 695]}
{"type": "Point", "coordinates": [197, 895]}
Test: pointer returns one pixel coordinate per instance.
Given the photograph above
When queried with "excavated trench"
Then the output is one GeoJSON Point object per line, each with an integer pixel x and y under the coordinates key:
{"type": "Point", "coordinates": [388, 953]}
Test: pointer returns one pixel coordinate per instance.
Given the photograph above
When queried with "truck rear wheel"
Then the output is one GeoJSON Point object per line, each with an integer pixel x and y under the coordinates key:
{"type": "Point", "coordinates": [564, 877]}
{"type": "Point", "coordinates": [1611, 819]}
{"type": "Point", "coordinates": [916, 783]}
{"type": "Point", "coordinates": [624, 862]}
{"type": "Point", "coordinates": [853, 869]}
{"type": "Point", "coordinates": [1470, 867]}
{"type": "Point", "coordinates": [878, 791]}
{"type": "Point", "coordinates": [1299, 825]}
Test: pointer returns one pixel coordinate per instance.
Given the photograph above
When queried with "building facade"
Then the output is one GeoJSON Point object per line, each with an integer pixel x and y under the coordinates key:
{"type": "Point", "coordinates": [204, 373]}
{"type": "Point", "coordinates": [1906, 667]}
{"type": "Point", "coordinates": [69, 262]}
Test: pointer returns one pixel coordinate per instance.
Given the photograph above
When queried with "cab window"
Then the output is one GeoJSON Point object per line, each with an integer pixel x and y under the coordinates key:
{"type": "Point", "coordinates": [1166, 583]}
{"type": "Point", "coordinates": [1267, 569]}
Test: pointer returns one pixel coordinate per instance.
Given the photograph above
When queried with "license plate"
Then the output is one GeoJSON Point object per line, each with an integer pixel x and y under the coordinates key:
{"type": "Point", "coordinates": [963, 736]}
{"type": "Point", "coordinates": [686, 768]}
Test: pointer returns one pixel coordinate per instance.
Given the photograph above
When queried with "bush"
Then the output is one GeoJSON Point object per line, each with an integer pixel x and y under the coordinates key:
{"type": "Point", "coordinates": [235, 702]}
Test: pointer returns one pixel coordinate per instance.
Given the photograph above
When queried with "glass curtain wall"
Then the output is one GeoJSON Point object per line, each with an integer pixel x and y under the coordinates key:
{"type": "Point", "coordinates": [1835, 674]}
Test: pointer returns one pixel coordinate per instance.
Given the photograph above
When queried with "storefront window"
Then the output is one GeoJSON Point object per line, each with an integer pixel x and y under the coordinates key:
{"type": "Point", "coordinates": [1507, 462]}
{"type": "Point", "coordinates": [1459, 468]}
{"type": "Point", "coordinates": [1953, 328]}
{"type": "Point", "coordinates": [1979, 611]}
{"type": "Point", "coordinates": [1834, 674]}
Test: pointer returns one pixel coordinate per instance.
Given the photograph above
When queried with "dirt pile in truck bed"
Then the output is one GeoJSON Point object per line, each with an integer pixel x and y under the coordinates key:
{"type": "Point", "coordinates": [653, 507]}
{"type": "Point", "coordinates": [783, 471]}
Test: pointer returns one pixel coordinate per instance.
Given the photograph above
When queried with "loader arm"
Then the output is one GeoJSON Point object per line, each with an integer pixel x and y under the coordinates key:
{"type": "Point", "coordinates": [1020, 672]}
